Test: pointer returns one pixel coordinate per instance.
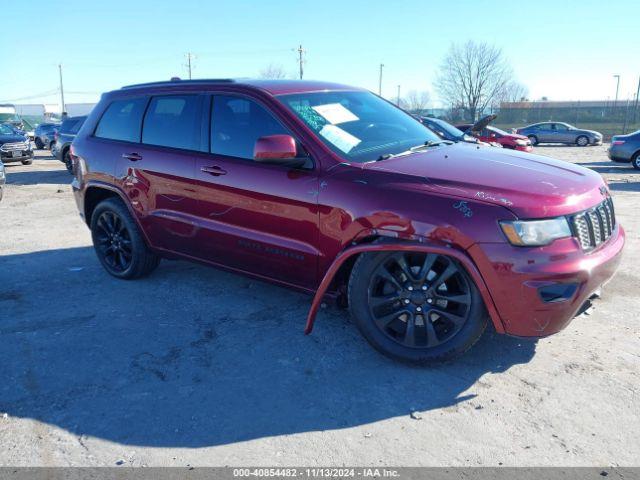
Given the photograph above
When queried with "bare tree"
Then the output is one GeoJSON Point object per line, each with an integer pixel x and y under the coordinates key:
{"type": "Point", "coordinates": [513, 92]}
{"type": "Point", "coordinates": [273, 71]}
{"type": "Point", "coordinates": [416, 101]}
{"type": "Point", "coordinates": [472, 76]}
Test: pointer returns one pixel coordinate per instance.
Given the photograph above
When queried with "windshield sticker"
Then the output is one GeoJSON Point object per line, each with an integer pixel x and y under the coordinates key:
{"type": "Point", "coordinates": [338, 137]}
{"type": "Point", "coordinates": [335, 113]}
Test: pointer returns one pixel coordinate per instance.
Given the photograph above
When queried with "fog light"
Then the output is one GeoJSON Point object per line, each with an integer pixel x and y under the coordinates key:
{"type": "Point", "coordinates": [558, 292]}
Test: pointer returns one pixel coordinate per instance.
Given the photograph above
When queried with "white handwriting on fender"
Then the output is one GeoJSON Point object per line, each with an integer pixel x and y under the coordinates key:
{"type": "Point", "coordinates": [486, 196]}
{"type": "Point", "coordinates": [464, 208]}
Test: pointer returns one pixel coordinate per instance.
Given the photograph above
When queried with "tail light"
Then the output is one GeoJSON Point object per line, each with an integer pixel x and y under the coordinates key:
{"type": "Point", "coordinates": [617, 142]}
{"type": "Point", "coordinates": [74, 161]}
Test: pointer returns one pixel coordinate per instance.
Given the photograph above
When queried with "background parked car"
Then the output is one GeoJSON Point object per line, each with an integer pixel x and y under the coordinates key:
{"type": "Point", "coordinates": [2, 178]}
{"type": "Point", "coordinates": [14, 147]}
{"type": "Point", "coordinates": [64, 136]}
{"type": "Point", "coordinates": [44, 135]}
{"type": "Point", "coordinates": [626, 148]}
{"type": "Point", "coordinates": [559, 132]}
{"type": "Point", "coordinates": [445, 130]}
{"type": "Point", "coordinates": [493, 134]}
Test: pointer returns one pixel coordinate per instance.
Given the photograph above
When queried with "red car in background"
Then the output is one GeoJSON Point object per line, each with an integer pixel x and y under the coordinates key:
{"type": "Point", "coordinates": [492, 134]}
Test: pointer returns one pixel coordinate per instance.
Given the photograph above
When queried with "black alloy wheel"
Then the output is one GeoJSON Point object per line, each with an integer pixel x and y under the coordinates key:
{"type": "Point", "coordinates": [414, 306]}
{"type": "Point", "coordinates": [113, 242]}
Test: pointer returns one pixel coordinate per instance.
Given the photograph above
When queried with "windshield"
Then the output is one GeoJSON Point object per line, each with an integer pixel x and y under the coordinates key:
{"type": "Point", "coordinates": [358, 126]}
{"type": "Point", "coordinates": [6, 130]}
{"type": "Point", "coordinates": [497, 130]}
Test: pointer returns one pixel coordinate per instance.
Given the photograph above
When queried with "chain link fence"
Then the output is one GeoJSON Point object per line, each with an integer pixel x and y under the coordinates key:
{"type": "Point", "coordinates": [607, 117]}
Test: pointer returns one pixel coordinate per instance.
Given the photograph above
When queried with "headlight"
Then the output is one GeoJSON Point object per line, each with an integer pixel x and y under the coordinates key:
{"type": "Point", "coordinates": [535, 233]}
{"type": "Point", "coordinates": [521, 143]}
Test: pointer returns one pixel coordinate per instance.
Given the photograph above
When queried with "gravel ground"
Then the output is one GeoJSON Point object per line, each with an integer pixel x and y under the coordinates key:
{"type": "Point", "coordinates": [194, 366]}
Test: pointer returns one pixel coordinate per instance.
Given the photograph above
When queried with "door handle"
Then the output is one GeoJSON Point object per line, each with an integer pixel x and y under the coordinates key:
{"type": "Point", "coordinates": [134, 157]}
{"type": "Point", "coordinates": [215, 171]}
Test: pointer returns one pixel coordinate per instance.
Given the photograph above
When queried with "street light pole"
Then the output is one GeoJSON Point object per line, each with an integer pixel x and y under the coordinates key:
{"type": "Point", "coordinates": [398, 96]}
{"type": "Point", "coordinates": [61, 90]}
{"type": "Point", "coordinates": [380, 80]}
{"type": "Point", "coordinates": [615, 102]}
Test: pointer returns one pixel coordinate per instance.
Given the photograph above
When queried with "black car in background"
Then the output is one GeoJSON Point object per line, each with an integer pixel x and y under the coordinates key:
{"type": "Point", "coordinates": [626, 148]}
{"type": "Point", "coordinates": [445, 130]}
{"type": "Point", "coordinates": [44, 135]}
{"type": "Point", "coordinates": [14, 146]}
{"type": "Point", "coordinates": [64, 137]}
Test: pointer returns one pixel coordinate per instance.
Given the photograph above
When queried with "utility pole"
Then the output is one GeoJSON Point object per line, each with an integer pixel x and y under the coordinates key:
{"type": "Point", "coordinates": [300, 60]}
{"type": "Point", "coordinates": [380, 80]}
{"type": "Point", "coordinates": [190, 56]}
{"type": "Point", "coordinates": [615, 102]}
{"type": "Point", "coordinates": [635, 107]}
{"type": "Point", "coordinates": [398, 103]}
{"type": "Point", "coordinates": [62, 106]}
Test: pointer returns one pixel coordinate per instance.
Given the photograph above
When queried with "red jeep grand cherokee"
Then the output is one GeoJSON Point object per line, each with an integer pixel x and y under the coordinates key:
{"type": "Point", "coordinates": [330, 189]}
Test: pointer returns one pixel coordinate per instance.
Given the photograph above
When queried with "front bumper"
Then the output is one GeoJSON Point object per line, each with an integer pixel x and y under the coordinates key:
{"type": "Point", "coordinates": [596, 141]}
{"type": "Point", "coordinates": [517, 279]}
{"type": "Point", "coordinates": [8, 157]}
{"type": "Point", "coordinates": [524, 148]}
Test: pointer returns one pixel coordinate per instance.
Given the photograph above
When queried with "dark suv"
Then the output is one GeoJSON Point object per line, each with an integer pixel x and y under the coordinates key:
{"type": "Point", "coordinates": [63, 138]}
{"type": "Point", "coordinates": [332, 190]}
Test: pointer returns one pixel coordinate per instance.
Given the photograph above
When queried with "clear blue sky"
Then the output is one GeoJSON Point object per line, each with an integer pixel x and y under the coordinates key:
{"type": "Point", "coordinates": [565, 50]}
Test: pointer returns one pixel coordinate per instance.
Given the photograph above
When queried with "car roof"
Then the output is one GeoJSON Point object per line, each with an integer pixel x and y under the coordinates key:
{"type": "Point", "coordinates": [274, 87]}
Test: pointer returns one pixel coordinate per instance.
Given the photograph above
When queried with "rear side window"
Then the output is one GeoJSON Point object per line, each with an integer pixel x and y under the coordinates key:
{"type": "Point", "coordinates": [70, 125]}
{"type": "Point", "coordinates": [173, 121]}
{"type": "Point", "coordinates": [236, 124]}
{"type": "Point", "coordinates": [122, 120]}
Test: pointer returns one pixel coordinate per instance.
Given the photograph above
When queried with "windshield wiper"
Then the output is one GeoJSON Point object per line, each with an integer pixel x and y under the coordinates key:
{"type": "Point", "coordinates": [427, 144]}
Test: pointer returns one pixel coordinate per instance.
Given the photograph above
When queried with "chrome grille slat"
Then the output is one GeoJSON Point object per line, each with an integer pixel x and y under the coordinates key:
{"type": "Point", "coordinates": [593, 227]}
{"type": "Point", "coordinates": [8, 147]}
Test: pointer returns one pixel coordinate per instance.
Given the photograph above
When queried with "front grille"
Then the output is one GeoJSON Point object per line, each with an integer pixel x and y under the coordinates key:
{"type": "Point", "coordinates": [8, 147]}
{"type": "Point", "coordinates": [594, 227]}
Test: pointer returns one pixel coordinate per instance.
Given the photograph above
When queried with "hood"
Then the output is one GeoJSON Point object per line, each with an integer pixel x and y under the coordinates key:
{"type": "Point", "coordinates": [12, 138]}
{"type": "Point", "coordinates": [531, 186]}
{"type": "Point", "coordinates": [517, 136]}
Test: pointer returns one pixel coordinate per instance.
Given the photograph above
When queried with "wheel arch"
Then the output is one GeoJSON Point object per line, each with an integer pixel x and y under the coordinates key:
{"type": "Point", "coordinates": [343, 263]}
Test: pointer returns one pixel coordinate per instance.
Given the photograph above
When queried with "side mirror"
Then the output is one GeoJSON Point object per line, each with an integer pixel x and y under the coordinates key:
{"type": "Point", "coordinates": [278, 149]}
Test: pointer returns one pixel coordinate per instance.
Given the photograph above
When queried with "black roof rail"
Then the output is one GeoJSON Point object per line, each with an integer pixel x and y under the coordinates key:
{"type": "Point", "coordinates": [179, 81]}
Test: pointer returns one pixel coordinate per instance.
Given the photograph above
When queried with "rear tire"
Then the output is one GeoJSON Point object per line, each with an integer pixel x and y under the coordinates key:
{"type": "Point", "coordinates": [635, 161]}
{"type": "Point", "coordinates": [533, 139]}
{"type": "Point", "coordinates": [39, 144]}
{"type": "Point", "coordinates": [415, 307]}
{"type": "Point", "coordinates": [26, 162]}
{"type": "Point", "coordinates": [118, 242]}
{"type": "Point", "coordinates": [582, 141]}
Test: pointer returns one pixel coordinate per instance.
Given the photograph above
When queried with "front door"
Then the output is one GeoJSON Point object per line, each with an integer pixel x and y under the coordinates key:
{"type": "Point", "coordinates": [255, 217]}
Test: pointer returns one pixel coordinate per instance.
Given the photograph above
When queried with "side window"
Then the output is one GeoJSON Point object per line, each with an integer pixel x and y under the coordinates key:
{"type": "Point", "coordinates": [122, 120]}
{"type": "Point", "coordinates": [561, 127]}
{"type": "Point", "coordinates": [78, 125]}
{"type": "Point", "coordinates": [173, 121]}
{"type": "Point", "coordinates": [236, 124]}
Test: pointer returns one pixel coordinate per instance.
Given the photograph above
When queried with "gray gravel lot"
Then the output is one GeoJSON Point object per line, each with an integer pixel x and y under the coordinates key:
{"type": "Point", "coordinates": [193, 366]}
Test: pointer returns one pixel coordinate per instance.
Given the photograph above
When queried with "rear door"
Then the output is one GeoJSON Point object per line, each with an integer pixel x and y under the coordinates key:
{"type": "Point", "coordinates": [255, 217]}
{"type": "Point", "coordinates": [156, 162]}
{"type": "Point", "coordinates": [544, 133]}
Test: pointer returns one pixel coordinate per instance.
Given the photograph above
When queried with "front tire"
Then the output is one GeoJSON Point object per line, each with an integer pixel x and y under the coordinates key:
{"type": "Point", "coordinates": [635, 161]}
{"type": "Point", "coordinates": [415, 307]}
{"type": "Point", "coordinates": [26, 162]}
{"type": "Point", "coordinates": [533, 139]}
{"type": "Point", "coordinates": [39, 143]}
{"type": "Point", "coordinates": [582, 141]}
{"type": "Point", "coordinates": [118, 242]}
